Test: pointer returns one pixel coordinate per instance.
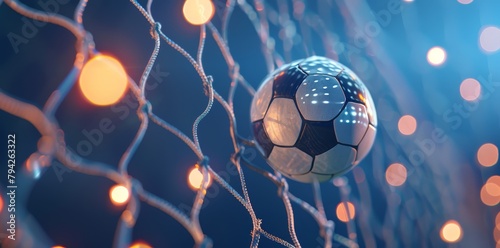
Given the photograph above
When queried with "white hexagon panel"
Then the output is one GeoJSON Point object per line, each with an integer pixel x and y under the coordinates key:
{"type": "Point", "coordinates": [364, 96]}
{"type": "Point", "coordinates": [370, 108]}
{"type": "Point", "coordinates": [290, 160]}
{"type": "Point", "coordinates": [366, 143]}
{"type": "Point", "coordinates": [311, 177]}
{"type": "Point", "coordinates": [351, 124]}
{"type": "Point", "coordinates": [283, 122]}
{"type": "Point", "coordinates": [321, 65]}
{"type": "Point", "coordinates": [261, 100]}
{"type": "Point", "coordinates": [334, 161]}
{"type": "Point", "coordinates": [320, 98]}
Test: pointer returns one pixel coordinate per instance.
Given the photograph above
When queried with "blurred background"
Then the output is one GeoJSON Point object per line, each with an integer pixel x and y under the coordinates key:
{"type": "Point", "coordinates": [431, 179]}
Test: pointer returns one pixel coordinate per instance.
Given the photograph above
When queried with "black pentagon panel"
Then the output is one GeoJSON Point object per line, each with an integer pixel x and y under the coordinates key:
{"type": "Point", "coordinates": [353, 88]}
{"type": "Point", "coordinates": [285, 66]}
{"type": "Point", "coordinates": [287, 82]}
{"type": "Point", "coordinates": [263, 141]}
{"type": "Point", "coordinates": [316, 137]}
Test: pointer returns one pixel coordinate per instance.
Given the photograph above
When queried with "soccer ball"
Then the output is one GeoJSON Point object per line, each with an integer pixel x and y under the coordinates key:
{"type": "Point", "coordinates": [313, 119]}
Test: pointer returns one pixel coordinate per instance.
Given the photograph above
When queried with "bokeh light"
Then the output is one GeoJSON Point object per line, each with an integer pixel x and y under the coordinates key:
{"type": "Point", "coordinates": [470, 89]}
{"type": "Point", "coordinates": [488, 199]}
{"type": "Point", "coordinates": [342, 213]}
{"type": "Point", "coordinates": [58, 246]}
{"type": "Point", "coordinates": [140, 244]}
{"type": "Point", "coordinates": [487, 155]}
{"type": "Point", "coordinates": [103, 80]}
{"type": "Point", "coordinates": [359, 175]}
{"type": "Point", "coordinates": [494, 179]}
{"type": "Point", "coordinates": [492, 186]}
{"type": "Point", "coordinates": [489, 39]}
{"type": "Point", "coordinates": [195, 178]}
{"type": "Point", "coordinates": [490, 192]}
{"type": "Point", "coordinates": [198, 12]}
{"type": "Point", "coordinates": [119, 194]}
{"type": "Point", "coordinates": [436, 56]}
{"type": "Point", "coordinates": [497, 221]}
{"type": "Point", "coordinates": [451, 232]}
{"type": "Point", "coordinates": [1, 204]}
{"type": "Point", "coordinates": [396, 174]}
{"type": "Point", "coordinates": [465, 1]}
{"type": "Point", "coordinates": [407, 125]}
{"type": "Point", "coordinates": [492, 189]}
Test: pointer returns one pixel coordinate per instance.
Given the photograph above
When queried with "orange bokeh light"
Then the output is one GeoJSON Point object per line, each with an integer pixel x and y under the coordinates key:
{"type": "Point", "coordinates": [407, 125]}
{"type": "Point", "coordinates": [492, 189]}
{"type": "Point", "coordinates": [490, 192]}
{"type": "Point", "coordinates": [140, 244]}
{"type": "Point", "coordinates": [1, 204]}
{"type": "Point", "coordinates": [487, 155]}
{"type": "Point", "coordinates": [396, 174]}
{"type": "Point", "coordinates": [103, 80]}
{"type": "Point", "coordinates": [198, 12]}
{"type": "Point", "coordinates": [195, 178]}
{"type": "Point", "coordinates": [470, 89]}
{"type": "Point", "coordinates": [494, 179]}
{"type": "Point", "coordinates": [119, 195]}
{"type": "Point", "coordinates": [451, 232]}
{"type": "Point", "coordinates": [58, 246]}
{"type": "Point", "coordinates": [497, 221]}
{"type": "Point", "coordinates": [342, 213]}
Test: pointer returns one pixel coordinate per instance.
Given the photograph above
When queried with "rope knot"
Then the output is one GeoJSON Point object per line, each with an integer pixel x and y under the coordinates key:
{"type": "Point", "coordinates": [155, 29]}
{"type": "Point", "coordinates": [204, 161]}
